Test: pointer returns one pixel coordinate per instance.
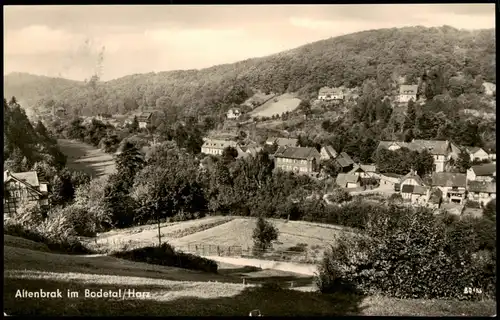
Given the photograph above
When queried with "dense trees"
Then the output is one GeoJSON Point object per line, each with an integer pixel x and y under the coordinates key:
{"type": "Point", "coordinates": [402, 160]}
{"type": "Point", "coordinates": [346, 60]}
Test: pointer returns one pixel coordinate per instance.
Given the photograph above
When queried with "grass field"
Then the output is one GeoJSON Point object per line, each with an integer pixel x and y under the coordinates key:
{"type": "Point", "coordinates": [173, 291]}
{"type": "Point", "coordinates": [221, 231]}
{"type": "Point", "coordinates": [87, 158]}
{"type": "Point", "coordinates": [286, 102]}
{"type": "Point", "coordinates": [142, 236]}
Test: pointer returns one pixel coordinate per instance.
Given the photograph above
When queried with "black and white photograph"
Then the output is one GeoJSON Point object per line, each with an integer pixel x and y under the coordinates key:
{"type": "Point", "coordinates": [250, 160]}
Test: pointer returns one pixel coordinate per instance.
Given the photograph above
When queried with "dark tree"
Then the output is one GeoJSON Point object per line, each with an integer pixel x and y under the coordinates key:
{"type": "Point", "coordinates": [229, 154]}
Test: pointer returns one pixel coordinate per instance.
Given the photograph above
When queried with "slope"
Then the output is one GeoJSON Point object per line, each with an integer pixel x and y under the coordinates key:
{"type": "Point", "coordinates": [383, 55]}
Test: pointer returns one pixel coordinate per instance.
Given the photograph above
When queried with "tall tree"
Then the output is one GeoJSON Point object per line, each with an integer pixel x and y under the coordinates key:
{"type": "Point", "coordinates": [129, 161]}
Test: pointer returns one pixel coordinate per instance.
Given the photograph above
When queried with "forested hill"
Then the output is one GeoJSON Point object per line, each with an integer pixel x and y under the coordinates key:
{"type": "Point", "coordinates": [383, 55]}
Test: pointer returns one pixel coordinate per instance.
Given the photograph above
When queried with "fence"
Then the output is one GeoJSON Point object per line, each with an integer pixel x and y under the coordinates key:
{"type": "Point", "coordinates": [304, 256]}
{"type": "Point", "coordinates": [300, 254]}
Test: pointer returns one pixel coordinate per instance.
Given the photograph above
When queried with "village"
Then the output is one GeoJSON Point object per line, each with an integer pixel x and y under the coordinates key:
{"type": "Point", "coordinates": [250, 160]}
{"type": "Point", "coordinates": [444, 187]}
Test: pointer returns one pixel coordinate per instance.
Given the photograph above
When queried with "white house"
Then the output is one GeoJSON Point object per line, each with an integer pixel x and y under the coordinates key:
{"type": "Point", "coordinates": [408, 183]}
{"type": "Point", "coordinates": [477, 153]}
{"type": "Point", "coordinates": [329, 94]}
{"type": "Point", "coordinates": [233, 114]}
{"type": "Point", "coordinates": [440, 150]}
{"type": "Point", "coordinates": [363, 171]}
{"type": "Point", "coordinates": [347, 180]}
{"type": "Point", "coordinates": [453, 185]}
{"type": "Point", "coordinates": [481, 191]}
{"type": "Point", "coordinates": [482, 172]}
{"type": "Point", "coordinates": [407, 93]}
{"type": "Point", "coordinates": [216, 147]}
{"type": "Point", "coordinates": [328, 153]}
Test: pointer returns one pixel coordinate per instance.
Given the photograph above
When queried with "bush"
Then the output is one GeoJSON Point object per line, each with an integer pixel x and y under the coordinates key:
{"type": "Point", "coordinates": [166, 255]}
{"type": "Point", "coordinates": [410, 253]}
{"type": "Point", "coordinates": [301, 247]}
{"type": "Point", "coordinates": [339, 195]}
{"type": "Point", "coordinates": [62, 245]}
{"type": "Point", "coordinates": [396, 197]}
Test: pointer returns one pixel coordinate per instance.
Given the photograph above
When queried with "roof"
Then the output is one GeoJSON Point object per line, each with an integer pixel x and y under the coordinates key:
{"type": "Point", "coordinates": [363, 167]}
{"type": "Point", "coordinates": [487, 169]}
{"type": "Point", "coordinates": [30, 177]}
{"type": "Point", "coordinates": [297, 153]}
{"type": "Point", "coordinates": [472, 150]}
{"type": "Point", "coordinates": [328, 90]}
{"type": "Point", "coordinates": [419, 190]}
{"type": "Point", "coordinates": [345, 178]}
{"type": "Point", "coordinates": [219, 144]}
{"type": "Point", "coordinates": [282, 141]}
{"type": "Point", "coordinates": [344, 160]}
{"type": "Point", "coordinates": [387, 144]}
{"type": "Point", "coordinates": [144, 116]}
{"type": "Point", "coordinates": [407, 188]}
{"type": "Point", "coordinates": [392, 175]}
{"type": "Point", "coordinates": [435, 147]}
{"type": "Point", "coordinates": [482, 186]}
{"type": "Point", "coordinates": [412, 175]}
{"type": "Point", "coordinates": [330, 151]}
{"type": "Point", "coordinates": [368, 167]}
{"type": "Point", "coordinates": [449, 179]}
{"type": "Point", "coordinates": [408, 89]}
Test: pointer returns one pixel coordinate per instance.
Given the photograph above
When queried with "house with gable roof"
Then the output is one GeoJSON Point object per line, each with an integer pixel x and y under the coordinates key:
{"type": "Point", "coordinates": [477, 154]}
{"type": "Point", "coordinates": [344, 162]}
{"type": "Point", "coordinates": [328, 153]}
{"type": "Point", "coordinates": [23, 186]}
{"type": "Point", "coordinates": [330, 94]}
{"type": "Point", "coordinates": [297, 159]}
{"type": "Point", "coordinates": [482, 172]}
{"type": "Point", "coordinates": [481, 191]}
{"type": "Point", "coordinates": [282, 142]}
{"type": "Point", "coordinates": [453, 185]}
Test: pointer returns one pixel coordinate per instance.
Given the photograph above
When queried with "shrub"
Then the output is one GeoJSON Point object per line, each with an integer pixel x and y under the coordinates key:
{"type": "Point", "coordinates": [396, 197]}
{"type": "Point", "coordinates": [62, 245]}
{"type": "Point", "coordinates": [339, 195]}
{"type": "Point", "coordinates": [410, 253]}
{"type": "Point", "coordinates": [301, 247]}
{"type": "Point", "coordinates": [166, 255]}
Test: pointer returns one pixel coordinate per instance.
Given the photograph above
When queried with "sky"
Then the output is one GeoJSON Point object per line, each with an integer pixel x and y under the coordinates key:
{"type": "Point", "coordinates": [66, 41]}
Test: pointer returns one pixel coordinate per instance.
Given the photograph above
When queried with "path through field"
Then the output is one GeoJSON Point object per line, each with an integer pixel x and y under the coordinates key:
{"type": "Point", "coordinates": [87, 158]}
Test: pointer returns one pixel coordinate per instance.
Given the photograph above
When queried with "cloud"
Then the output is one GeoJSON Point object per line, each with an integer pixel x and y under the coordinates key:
{"type": "Point", "coordinates": [39, 39]}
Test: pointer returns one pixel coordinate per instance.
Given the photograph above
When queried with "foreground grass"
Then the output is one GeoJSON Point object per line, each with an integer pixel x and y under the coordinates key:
{"type": "Point", "coordinates": [174, 291]}
{"type": "Point", "coordinates": [180, 298]}
{"type": "Point", "coordinates": [383, 306]}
